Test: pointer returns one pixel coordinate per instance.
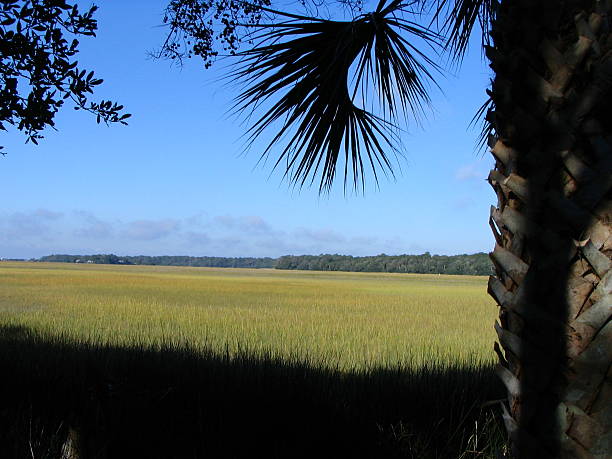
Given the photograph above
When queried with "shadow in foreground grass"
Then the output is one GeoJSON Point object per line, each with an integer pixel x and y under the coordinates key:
{"type": "Point", "coordinates": [176, 403]}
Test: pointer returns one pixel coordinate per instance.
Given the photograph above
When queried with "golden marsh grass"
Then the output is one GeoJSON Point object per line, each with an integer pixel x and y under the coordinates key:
{"type": "Point", "coordinates": [339, 320]}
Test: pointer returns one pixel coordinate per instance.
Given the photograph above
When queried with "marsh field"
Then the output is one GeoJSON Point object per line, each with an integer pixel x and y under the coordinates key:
{"type": "Point", "coordinates": [141, 361]}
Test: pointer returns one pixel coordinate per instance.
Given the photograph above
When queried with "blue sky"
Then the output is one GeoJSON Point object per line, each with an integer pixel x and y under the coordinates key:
{"type": "Point", "coordinates": [175, 180]}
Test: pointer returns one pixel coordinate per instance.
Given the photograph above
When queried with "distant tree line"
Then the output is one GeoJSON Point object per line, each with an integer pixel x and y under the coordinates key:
{"type": "Point", "coordinates": [211, 262]}
{"type": "Point", "coordinates": [476, 264]}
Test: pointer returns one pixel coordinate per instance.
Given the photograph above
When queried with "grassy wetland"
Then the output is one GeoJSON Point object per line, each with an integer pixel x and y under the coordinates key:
{"type": "Point", "coordinates": [134, 361]}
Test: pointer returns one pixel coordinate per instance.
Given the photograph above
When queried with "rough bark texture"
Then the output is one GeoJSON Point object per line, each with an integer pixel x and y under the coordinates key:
{"type": "Point", "coordinates": [552, 140]}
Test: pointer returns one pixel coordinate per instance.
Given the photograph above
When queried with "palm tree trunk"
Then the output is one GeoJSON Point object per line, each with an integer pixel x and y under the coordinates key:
{"type": "Point", "coordinates": [552, 142]}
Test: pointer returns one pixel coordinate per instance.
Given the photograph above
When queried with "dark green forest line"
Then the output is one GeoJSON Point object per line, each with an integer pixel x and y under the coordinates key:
{"type": "Point", "coordinates": [165, 260]}
{"type": "Point", "coordinates": [475, 264]}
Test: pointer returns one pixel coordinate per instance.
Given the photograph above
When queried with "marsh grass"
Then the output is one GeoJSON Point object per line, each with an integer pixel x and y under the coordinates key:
{"type": "Point", "coordinates": [349, 320]}
{"type": "Point", "coordinates": [183, 362]}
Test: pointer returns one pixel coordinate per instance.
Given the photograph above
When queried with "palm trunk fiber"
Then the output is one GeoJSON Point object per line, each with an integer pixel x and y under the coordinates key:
{"type": "Point", "coordinates": [551, 136]}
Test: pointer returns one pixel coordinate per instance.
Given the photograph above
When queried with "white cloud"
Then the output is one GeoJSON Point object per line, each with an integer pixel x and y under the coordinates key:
{"type": "Point", "coordinates": [148, 230]}
{"type": "Point", "coordinates": [248, 223]}
{"type": "Point", "coordinates": [93, 228]}
{"type": "Point", "coordinates": [23, 225]}
{"type": "Point", "coordinates": [46, 214]}
{"type": "Point", "coordinates": [197, 239]}
{"type": "Point", "coordinates": [469, 172]}
{"type": "Point", "coordinates": [319, 235]}
{"type": "Point", "coordinates": [43, 232]}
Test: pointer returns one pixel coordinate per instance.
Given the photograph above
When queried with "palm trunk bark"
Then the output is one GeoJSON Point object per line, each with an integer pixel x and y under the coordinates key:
{"type": "Point", "coordinates": [551, 137]}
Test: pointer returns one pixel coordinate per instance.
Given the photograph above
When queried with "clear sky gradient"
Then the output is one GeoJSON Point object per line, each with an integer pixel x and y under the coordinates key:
{"type": "Point", "coordinates": [174, 182]}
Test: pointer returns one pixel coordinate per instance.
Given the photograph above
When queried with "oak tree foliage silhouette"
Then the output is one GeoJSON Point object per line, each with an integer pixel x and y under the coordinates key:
{"type": "Point", "coordinates": [38, 69]}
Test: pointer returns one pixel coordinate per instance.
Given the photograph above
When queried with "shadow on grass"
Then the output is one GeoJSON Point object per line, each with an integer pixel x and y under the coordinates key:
{"type": "Point", "coordinates": [116, 402]}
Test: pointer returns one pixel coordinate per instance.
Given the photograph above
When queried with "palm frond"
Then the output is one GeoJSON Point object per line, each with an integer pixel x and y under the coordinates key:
{"type": "Point", "coordinates": [298, 76]}
{"type": "Point", "coordinates": [457, 19]}
{"type": "Point", "coordinates": [483, 117]}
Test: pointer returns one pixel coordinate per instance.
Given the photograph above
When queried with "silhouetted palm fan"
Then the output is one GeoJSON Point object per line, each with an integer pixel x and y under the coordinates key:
{"type": "Point", "coordinates": [307, 62]}
{"type": "Point", "coordinates": [459, 17]}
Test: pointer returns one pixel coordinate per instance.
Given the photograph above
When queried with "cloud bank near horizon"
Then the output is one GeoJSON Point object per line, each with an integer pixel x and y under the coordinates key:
{"type": "Point", "coordinates": [41, 232]}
